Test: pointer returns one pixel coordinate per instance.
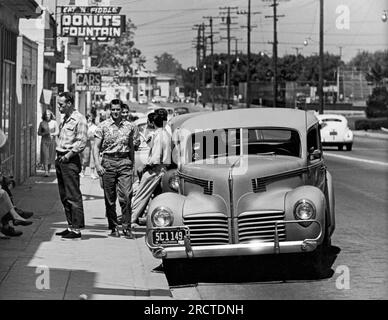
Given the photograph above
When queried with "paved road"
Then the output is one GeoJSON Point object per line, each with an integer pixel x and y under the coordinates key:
{"type": "Point", "coordinates": [361, 190]}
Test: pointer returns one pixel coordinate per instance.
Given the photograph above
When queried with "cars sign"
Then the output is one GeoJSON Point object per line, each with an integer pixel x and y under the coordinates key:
{"type": "Point", "coordinates": [88, 81]}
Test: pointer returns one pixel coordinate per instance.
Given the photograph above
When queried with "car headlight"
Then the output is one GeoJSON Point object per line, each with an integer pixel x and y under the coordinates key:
{"type": "Point", "coordinates": [173, 182]}
{"type": "Point", "coordinates": [304, 210]}
{"type": "Point", "coordinates": [162, 217]}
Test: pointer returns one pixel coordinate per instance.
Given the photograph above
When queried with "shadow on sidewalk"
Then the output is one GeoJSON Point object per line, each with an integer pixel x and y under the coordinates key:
{"type": "Point", "coordinates": [20, 257]}
{"type": "Point", "coordinates": [60, 284]}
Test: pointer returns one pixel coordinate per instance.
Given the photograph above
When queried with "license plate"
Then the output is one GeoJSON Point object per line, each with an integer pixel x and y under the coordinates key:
{"type": "Point", "coordinates": [333, 133]}
{"type": "Point", "coordinates": [169, 236]}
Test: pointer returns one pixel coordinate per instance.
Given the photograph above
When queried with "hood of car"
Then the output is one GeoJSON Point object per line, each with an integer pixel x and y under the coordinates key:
{"type": "Point", "coordinates": [251, 175]}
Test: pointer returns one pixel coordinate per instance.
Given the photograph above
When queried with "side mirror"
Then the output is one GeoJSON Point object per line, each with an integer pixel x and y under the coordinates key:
{"type": "Point", "coordinates": [315, 154]}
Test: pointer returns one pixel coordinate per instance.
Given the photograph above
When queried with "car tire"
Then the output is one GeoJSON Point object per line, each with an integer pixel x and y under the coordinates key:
{"type": "Point", "coordinates": [349, 147]}
{"type": "Point", "coordinates": [319, 258]}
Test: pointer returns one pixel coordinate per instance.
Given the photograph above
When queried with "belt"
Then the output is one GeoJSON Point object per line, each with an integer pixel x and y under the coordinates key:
{"type": "Point", "coordinates": [116, 155]}
{"type": "Point", "coordinates": [62, 153]}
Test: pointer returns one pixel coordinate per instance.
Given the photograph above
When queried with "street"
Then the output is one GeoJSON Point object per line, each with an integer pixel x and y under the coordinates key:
{"type": "Point", "coordinates": [361, 196]}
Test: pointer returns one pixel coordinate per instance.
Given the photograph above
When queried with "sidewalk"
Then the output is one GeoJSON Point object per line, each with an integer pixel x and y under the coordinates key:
{"type": "Point", "coordinates": [40, 265]}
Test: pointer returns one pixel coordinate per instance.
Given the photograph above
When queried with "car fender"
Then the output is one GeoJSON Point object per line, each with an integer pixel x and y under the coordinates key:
{"type": "Point", "coordinates": [296, 231]}
{"type": "Point", "coordinates": [172, 201]}
{"type": "Point", "coordinates": [331, 204]}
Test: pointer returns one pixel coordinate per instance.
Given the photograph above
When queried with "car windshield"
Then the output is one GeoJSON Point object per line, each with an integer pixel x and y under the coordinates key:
{"type": "Point", "coordinates": [214, 144]}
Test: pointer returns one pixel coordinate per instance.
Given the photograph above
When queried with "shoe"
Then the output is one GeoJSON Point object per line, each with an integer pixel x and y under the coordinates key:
{"type": "Point", "coordinates": [128, 233]}
{"type": "Point", "coordinates": [3, 236]}
{"type": "Point", "coordinates": [24, 214]}
{"type": "Point", "coordinates": [17, 222]}
{"type": "Point", "coordinates": [11, 232]}
{"type": "Point", "coordinates": [72, 235]}
{"type": "Point", "coordinates": [63, 233]}
{"type": "Point", "coordinates": [115, 233]}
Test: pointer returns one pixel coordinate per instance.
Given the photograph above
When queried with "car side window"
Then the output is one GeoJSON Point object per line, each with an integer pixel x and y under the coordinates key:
{"type": "Point", "coordinates": [313, 139]}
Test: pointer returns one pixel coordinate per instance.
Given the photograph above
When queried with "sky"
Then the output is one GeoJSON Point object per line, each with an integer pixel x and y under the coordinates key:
{"type": "Point", "coordinates": [350, 26]}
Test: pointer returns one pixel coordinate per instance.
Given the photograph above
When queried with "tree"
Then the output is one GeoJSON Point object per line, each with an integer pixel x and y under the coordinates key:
{"type": "Point", "coordinates": [377, 103]}
{"type": "Point", "coordinates": [118, 53]}
{"type": "Point", "coordinates": [375, 65]}
{"type": "Point", "coordinates": [166, 63]}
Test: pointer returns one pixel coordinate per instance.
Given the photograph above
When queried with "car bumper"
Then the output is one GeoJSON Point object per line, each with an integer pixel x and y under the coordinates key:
{"type": "Point", "coordinates": [240, 249]}
{"type": "Point", "coordinates": [337, 142]}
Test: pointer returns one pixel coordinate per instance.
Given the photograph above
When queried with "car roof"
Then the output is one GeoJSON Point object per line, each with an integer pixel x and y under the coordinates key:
{"type": "Point", "coordinates": [255, 117]}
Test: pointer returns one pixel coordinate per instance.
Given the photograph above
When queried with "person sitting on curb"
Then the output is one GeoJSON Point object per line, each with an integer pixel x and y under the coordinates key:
{"type": "Point", "coordinates": [7, 209]}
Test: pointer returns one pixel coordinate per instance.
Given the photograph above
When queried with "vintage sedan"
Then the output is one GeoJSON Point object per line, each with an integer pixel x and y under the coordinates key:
{"type": "Point", "coordinates": [335, 131]}
{"type": "Point", "coordinates": [248, 182]}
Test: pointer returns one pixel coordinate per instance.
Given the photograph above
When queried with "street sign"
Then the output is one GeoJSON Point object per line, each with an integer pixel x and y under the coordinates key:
{"type": "Point", "coordinates": [88, 81]}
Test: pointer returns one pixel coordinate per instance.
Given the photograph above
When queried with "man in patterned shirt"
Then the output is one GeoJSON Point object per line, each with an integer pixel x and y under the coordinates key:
{"type": "Point", "coordinates": [71, 142]}
{"type": "Point", "coordinates": [116, 139]}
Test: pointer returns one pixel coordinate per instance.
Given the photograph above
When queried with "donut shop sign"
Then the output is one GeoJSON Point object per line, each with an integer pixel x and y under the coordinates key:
{"type": "Point", "coordinates": [92, 22]}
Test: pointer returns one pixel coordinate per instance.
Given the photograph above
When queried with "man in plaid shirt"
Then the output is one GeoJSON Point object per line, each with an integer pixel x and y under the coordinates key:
{"type": "Point", "coordinates": [71, 142]}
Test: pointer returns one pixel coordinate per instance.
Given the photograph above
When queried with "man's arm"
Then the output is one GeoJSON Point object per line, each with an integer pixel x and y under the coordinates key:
{"type": "Point", "coordinates": [96, 152]}
{"type": "Point", "coordinates": [156, 150]}
{"type": "Point", "coordinates": [136, 138]}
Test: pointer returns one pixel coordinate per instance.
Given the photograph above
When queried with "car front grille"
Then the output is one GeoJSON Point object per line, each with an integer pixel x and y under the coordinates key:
{"type": "Point", "coordinates": [207, 185]}
{"type": "Point", "coordinates": [260, 225]}
{"type": "Point", "coordinates": [208, 229]}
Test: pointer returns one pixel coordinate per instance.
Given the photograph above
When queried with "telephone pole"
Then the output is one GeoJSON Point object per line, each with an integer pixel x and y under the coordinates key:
{"type": "Point", "coordinates": [249, 29]}
{"type": "Point", "coordinates": [228, 24]}
{"type": "Point", "coordinates": [203, 55]}
{"type": "Point", "coordinates": [211, 37]}
{"type": "Point", "coordinates": [198, 47]}
{"type": "Point", "coordinates": [297, 50]}
{"type": "Point", "coordinates": [321, 61]}
{"type": "Point", "coordinates": [275, 51]}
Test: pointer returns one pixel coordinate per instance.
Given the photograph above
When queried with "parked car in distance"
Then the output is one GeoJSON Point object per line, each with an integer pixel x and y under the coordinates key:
{"type": "Point", "coordinates": [248, 182]}
{"type": "Point", "coordinates": [143, 99]}
{"type": "Point", "coordinates": [159, 99]}
{"type": "Point", "coordinates": [335, 131]}
{"type": "Point", "coordinates": [181, 110]}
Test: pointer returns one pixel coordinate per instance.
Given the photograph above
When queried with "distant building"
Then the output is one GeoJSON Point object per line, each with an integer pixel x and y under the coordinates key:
{"type": "Point", "coordinates": [166, 85]}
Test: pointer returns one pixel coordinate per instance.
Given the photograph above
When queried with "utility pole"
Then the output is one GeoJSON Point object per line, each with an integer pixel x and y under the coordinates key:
{"type": "Point", "coordinates": [249, 29]}
{"type": "Point", "coordinates": [197, 63]}
{"type": "Point", "coordinates": [321, 61]}
{"type": "Point", "coordinates": [203, 56]}
{"type": "Point", "coordinates": [211, 36]}
{"type": "Point", "coordinates": [212, 58]}
{"type": "Point", "coordinates": [275, 52]}
{"type": "Point", "coordinates": [297, 50]}
{"type": "Point", "coordinates": [248, 97]}
{"type": "Point", "coordinates": [228, 24]}
{"type": "Point", "coordinates": [338, 74]}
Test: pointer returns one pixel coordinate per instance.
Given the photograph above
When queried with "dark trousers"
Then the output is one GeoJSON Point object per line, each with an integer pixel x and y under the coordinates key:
{"type": "Point", "coordinates": [117, 182]}
{"type": "Point", "coordinates": [69, 191]}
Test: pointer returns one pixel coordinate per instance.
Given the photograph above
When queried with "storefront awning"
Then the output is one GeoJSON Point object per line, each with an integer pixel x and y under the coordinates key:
{"type": "Point", "coordinates": [28, 9]}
